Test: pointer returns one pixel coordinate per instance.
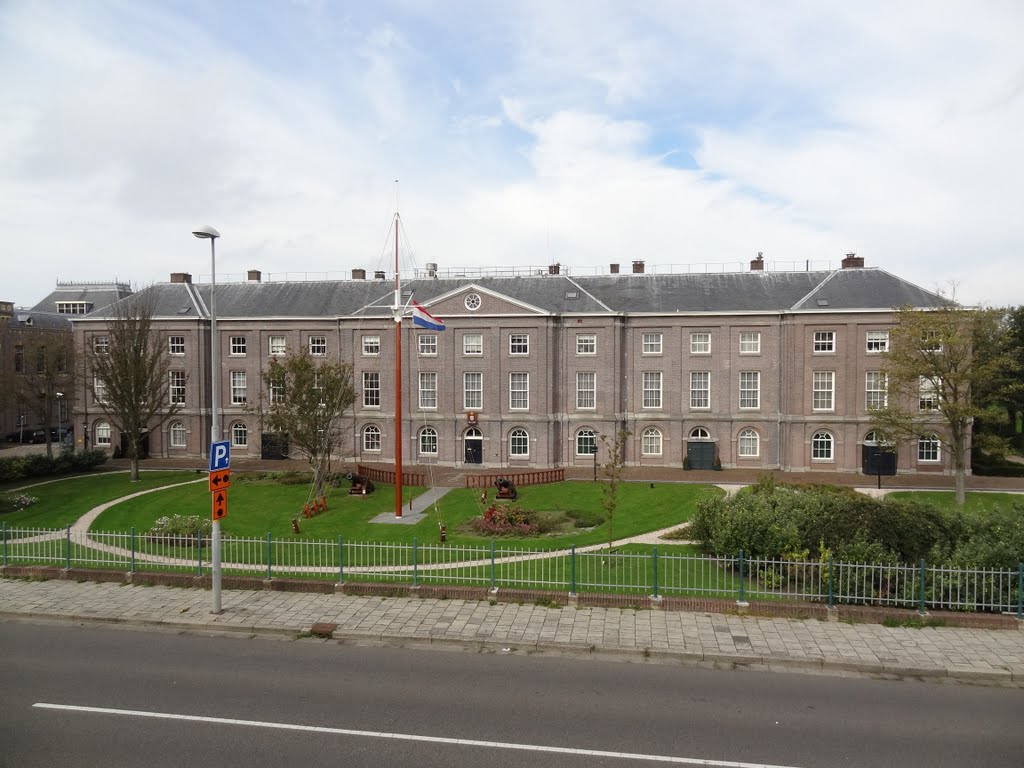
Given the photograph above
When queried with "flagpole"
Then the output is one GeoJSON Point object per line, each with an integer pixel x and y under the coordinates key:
{"type": "Point", "coordinates": [397, 311]}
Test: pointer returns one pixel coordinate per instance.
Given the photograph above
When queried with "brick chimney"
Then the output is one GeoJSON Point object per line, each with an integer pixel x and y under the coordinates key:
{"type": "Point", "coordinates": [358, 274]}
{"type": "Point", "coordinates": [853, 261]}
{"type": "Point", "coordinates": [638, 267]}
{"type": "Point", "coordinates": [379, 275]}
{"type": "Point", "coordinates": [255, 276]}
{"type": "Point", "coordinates": [757, 265]}
{"type": "Point", "coordinates": [181, 277]}
{"type": "Point", "coordinates": [614, 268]}
{"type": "Point", "coordinates": [554, 269]}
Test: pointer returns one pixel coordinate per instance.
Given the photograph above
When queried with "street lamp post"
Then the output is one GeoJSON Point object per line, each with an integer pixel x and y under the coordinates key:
{"type": "Point", "coordinates": [211, 234]}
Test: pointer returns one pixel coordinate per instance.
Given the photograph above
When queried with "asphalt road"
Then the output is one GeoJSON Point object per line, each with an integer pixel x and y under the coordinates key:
{"type": "Point", "coordinates": [106, 696]}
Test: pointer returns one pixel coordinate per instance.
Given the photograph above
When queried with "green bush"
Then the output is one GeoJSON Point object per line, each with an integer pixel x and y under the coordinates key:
{"type": "Point", "coordinates": [40, 465]}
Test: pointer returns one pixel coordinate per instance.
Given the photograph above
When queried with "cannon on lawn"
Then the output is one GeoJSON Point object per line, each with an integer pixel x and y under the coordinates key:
{"type": "Point", "coordinates": [506, 488]}
{"type": "Point", "coordinates": [360, 485]}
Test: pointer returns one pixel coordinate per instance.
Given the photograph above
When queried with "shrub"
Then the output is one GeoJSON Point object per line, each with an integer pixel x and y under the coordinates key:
{"type": "Point", "coordinates": [507, 520]}
{"type": "Point", "coordinates": [40, 465]}
{"type": "Point", "coordinates": [180, 530]}
{"type": "Point", "coordinates": [15, 502]}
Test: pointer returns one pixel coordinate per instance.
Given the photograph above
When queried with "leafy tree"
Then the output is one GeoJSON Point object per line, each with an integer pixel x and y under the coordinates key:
{"type": "Point", "coordinates": [45, 357]}
{"type": "Point", "coordinates": [129, 379]}
{"type": "Point", "coordinates": [942, 368]}
{"type": "Point", "coordinates": [612, 470]}
{"type": "Point", "coordinates": [307, 400]}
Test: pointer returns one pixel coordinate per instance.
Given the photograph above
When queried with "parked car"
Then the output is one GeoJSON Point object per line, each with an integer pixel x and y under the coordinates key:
{"type": "Point", "coordinates": [19, 436]}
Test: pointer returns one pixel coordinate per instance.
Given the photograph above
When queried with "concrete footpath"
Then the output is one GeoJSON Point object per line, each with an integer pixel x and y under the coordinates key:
{"type": "Point", "coordinates": [976, 656]}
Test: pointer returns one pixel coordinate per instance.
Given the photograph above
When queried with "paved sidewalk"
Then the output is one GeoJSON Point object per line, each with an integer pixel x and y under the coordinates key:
{"type": "Point", "coordinates": [944, 653]}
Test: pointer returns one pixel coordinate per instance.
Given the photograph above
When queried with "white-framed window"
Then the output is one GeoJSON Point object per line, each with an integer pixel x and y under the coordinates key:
{"type": "Point", "coordinates": [928, 448]}
{"type": "Point", "coordinates": [101, 345]}
{"type": "Point", "coordinates": [473, 344]}
{"type": "Point", "coordinates": [519, 391]}
{"type": "Point", "coordinates": [750, 342]}
{"type": "Point", "coordinates": [428, 389]}
{"type": "Point", "coordinates": [99, 389]}
{"type": "Point", "coordinates": [823, 385]}
{"type": "Point", "coordinates": [876, 389]}
{"type": "Point", "coordinates": [877, 342]}
{"type": "Point", "coordinates": [586, 343]}
{"type": "Point", "coordinates": [824, 342]}
{"type": "Point", "coordinates": [749, 443]}
{"type": "Point", "coordinates": [651, 441]}
{"type": "Point", "coordinates": [472, 390]}
{"type": "Point", "coordinates": [175, 344]}
{"type": "Point", "coordinates": [428, 441]}
{"type": "Point", "coordinates": [586, 442]}
{"type": "Point", "coordinates": [699, 433]}
{"type": "Point", "coordinates": [519, 343]}
{"type": "Point", "coordinates": [371, 389]}
{"type": "Point", "coordinates": [931, 342]}
{"type": "Point", "coordinates": [651, 343]}
{"type": "Point", "coordinates": [586, 389]}
{"type": "Point", "coordinates": [239, 434]}
{"type": "Point", "coordinates": [750, 389]}
{"type": "Point", "coordinates": [371, 437]}
{"type": "Point", "coordinates": [700, 343]}
{"type": "Point", "coordinates": [652, 389]}
{"type": "Point", "coordinates": [239, 388]}
{"type": "Point", "coordinates": [276, 391]}
{"type": "Point", "coordinates": [518, 443]}
{"type": "Point", "coordinates": [236, 345]}
{"type": "Point", "coordinates": [472, 301]}
{"type": "Point", "coordinates": [427, 343]}
{"type": "Point", "coordinates": [103, 433]}
{"type": "Point", "coordinates": [928, 399]}
{"type": "Point", "coordinates": [176, 389]}
{"type": "Point", "coordinates": [318, 346]}
{"type": "Point", "coordinates": [371, 345]}
{"type": "Point", "coordinates": [277, 346]}
{"type": "Point", "coordinates": [700, 389]}
{"type": "Point", "coordinates": [318, 387]}
{"type": "Point", "coordinates": [822, 446]}
{"type": "Point", "coordinates": [62, 410]}
{"type": "Point", "coordinates": [177, 432]}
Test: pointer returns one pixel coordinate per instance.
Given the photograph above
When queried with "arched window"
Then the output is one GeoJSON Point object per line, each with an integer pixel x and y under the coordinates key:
{"type": "Point", "coordinates": [428, 441]}
{"type": "Point", "coordinates": [699, 433]}
{"type": "Point", "coordinates": [177, 434]}
{"type": "Point", "coordinates": [822, 446]}
{"type": "Point", "coordinates": [586, 442]}
{"type": "Point", "coordinates": [103, 433]}
{"type": "Point", "coordinates": [518, 443]}
{"type": "Point", "coordinates": [371, 437]}
{"type": "Point", "coordinates": [750, 443]}
{"type": "Point", "coordinates": [928, 448]}
{"type": "Point", "coordinates": [650, 443]}
{"type": "Point", "coordinates": [239, 434]}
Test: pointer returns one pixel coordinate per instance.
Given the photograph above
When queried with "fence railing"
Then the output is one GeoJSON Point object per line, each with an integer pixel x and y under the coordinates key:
{"type": "Point", "coordinates": [658, 573]}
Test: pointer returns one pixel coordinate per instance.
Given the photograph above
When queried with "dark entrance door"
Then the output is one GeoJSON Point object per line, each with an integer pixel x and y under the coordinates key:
{"type": "Point", "coordinates": [701, 454]}
{"type": "Point", "coordinates": [474, 450]}
{"type": "Point", "coordinates": [273, 445]}
{"type": "Point", "coordinates": [877, 461]}
{"type": "Point", "coordinates": [142, 446]}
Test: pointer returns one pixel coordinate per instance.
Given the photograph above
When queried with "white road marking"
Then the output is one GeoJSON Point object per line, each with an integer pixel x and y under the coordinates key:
{"type": "Point", "coordinates": [408, 737]}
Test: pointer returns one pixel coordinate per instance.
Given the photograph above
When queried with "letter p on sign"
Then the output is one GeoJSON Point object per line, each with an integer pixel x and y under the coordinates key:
{"type": "Point", "coordinates": [220, 455]}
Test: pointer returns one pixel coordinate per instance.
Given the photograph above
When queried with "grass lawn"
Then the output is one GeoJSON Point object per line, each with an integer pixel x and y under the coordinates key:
{"type": "Point", "coordinates": [976, 502]}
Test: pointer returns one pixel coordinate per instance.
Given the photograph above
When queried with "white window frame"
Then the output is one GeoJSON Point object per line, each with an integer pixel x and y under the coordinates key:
{"type": "Point", "coordinates": [371, 346]}
{"type": "Point", "coordinates": [276, 391]}
{"type": "Point", "coordinates": [586, 390]}
{"type": "Point", "coordinates": [519, 443]}
{"type": "Point", "coordinates": [928, 395]}
{"type": "Point", "coordinates": [371, 438]}
{"type": "Point", "coordinates": [371, 389]}
{"type": "Point", "coordinates": [103, 433]}
{"type": "Point", "coordinates": [652, 388]}
{"type": "Point", "coordinates": [176, 387]}
{"type": "Point", "coordinates": [277, 346]}
{"type": "Point", "coordinates": [239, 435]}
{"type": "Point", "coordinates": [750, 390]}
{"type": "Point", "coordinates": [239, 387]}
{"type": "Point", "coordinates": [99, 390]}
{"type": "Point", "coordinates": [876, 342]}
{"type": "Point", "coordinates": [823, 390]}
{"type": "Point", "coordinates": [175, 345]}
{"type": "Point", "coordinates": [750, 342]}
{"type": "Point", "coordinates": [519, 344]}
{"type": "Point", "coordinates": [426, 343]}
{"type": "Point", "coordinates": [748, 443]}
{"type": "Point", "coordinates": [929, 449]}
{"type": "Point", "coordinates": [651, 343]}
{"type": "Point", "coordinates": [428, 390]}
{"type": "Point", "coordinates": [700, 396]}
{"type": "Point", "coordinates": [651, 442]}
{"type": "Point", "coordinates": [700, 342]}
{"type": "Point", "coordinates": [586, 343]}
{"type": "Point", "coordinates": [824, 343]}
{"type": "Point", "coordinates": [876, 389]}
{"type": "Point", "coordinates": [586, 438]}
{"type": "Point", "coordinates": [473, 344]}
{"type": "Point", "coordinates": [823, 443]}
{"type": "Point", "coordinates": [519, 391]}
{"type": "Point", "coordinates": [428, 441]}
{"type": "Point", "coordinates": [177, 435]}
{"type": "Point", "coordinates": [318, 346]}
{"type": "Point", "coordinates": [236, 346]}
{"type": "Point", "coordinates": [473, 390]}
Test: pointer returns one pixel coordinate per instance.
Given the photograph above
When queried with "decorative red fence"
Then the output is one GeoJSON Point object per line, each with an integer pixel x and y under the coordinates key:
{"type": "Point", "coordinates": [518, 478]}
{"type": "Point", "coordinates": [388, 476]}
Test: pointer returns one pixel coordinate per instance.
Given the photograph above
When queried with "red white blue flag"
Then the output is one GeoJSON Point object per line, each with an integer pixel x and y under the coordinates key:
{"type": "Point", "coordinates": [423, 319]}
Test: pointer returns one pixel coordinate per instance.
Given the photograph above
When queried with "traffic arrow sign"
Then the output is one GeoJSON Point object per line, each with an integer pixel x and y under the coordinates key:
{"type": "Point", "coordinates": [220, 505]}
{"type": "Point", "coordinates": [220, 480]}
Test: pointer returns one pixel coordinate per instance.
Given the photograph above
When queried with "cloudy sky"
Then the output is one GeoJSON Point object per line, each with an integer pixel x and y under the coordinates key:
{"type": "Point", "coordinates": [691, 135]}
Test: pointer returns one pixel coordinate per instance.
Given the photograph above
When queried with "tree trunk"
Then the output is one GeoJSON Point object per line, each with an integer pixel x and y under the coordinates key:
{"type": "Point", "coordinates": [961, 486]}
{"type": "Point", "coordinates": [133, 463]}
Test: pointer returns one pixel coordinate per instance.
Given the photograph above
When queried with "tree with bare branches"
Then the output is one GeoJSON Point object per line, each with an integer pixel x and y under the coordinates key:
{"type": "Point", "coordinates": [44, 375]}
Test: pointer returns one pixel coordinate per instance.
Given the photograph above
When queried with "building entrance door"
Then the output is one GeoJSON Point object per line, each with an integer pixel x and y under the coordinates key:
{"type": "Point", "coordinates": [474, 442]}
{"type": "Point", "coordinates": [701, 454]}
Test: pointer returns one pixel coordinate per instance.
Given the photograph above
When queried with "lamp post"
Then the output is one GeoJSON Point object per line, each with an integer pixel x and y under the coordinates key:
{"type": "Point", "coordinates": [209, 233]}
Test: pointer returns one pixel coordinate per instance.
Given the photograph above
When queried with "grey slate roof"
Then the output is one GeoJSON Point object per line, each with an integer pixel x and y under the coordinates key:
{"type": "Point", "coordinates": [100, 295]}
{"type": "Point", "coordinates": [844, 289]}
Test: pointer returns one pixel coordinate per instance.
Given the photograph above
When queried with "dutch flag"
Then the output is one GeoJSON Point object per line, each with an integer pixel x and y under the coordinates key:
{"type": "Point", "coordinates": [424, 319]}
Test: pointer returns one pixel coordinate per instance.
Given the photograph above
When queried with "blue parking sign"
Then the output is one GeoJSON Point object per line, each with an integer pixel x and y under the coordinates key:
{"type": "Point", "coordinates": [220, 455]}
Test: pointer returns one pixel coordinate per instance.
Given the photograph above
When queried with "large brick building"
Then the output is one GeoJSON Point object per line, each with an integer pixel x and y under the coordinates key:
{"type": "Point", "coordinates": [753, 369]}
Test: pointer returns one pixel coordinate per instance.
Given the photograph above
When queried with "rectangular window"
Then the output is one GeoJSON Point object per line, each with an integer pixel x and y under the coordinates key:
{"type": "Point", "coordinates": [276, 391]}
{"type": "Point", "coordinates": [750, 389]}
{"type": "Point", "coordinates": [99, 390]}
{"type": "Point", "coordinates": [750, 342]}
{"type": "Point", "coordinates": [175, 344]}
{"type": "Point", "coordinates": [700, 343]}
{"type": "Point", "coordinates": [651, 344]}
{"type": "Point", "coordinates": [876, 390]}
{"type": "Point", "coordinates": [101, 345]}
{"type": "Point", "coordinates": [929, 397]}
{"type": "Point", "coordinates": [277, 346]}
{"type": "Point", "coordinates": [239, 395]}
{"type": "Point", "coordinates": [19, 358]}
{"type": "Point", "coordinates": [318, 345]}
{"type": "Point", "coordinates": [371, 389]}
{"type": "Point", "coordinates": [824, 342]}
{"type": "Point", "coordinates": [428, 390]}
{"type": "Point", "coordinates": [237, 345]}
{"type": "Point", "coordinates": [371, 345]}
{"type": "Point", "coordinates": [519, 391]}
{"type": "Point", "coordinates": [586, 389]}
{"type": "Point", "coordinates": [652, 389]}
{"type": "Point", "coordinates": [928, 448]}
{"type": "Point", "coordinates": [823, 390]}
{"type": "Point", "coordinates": [519, 344]}
{"type": "Point", "coordinates": [586, 343]}
{"type": "Point", "coordinates": [700, 389]}
{"type": "Point", "coordinates": [877, 341]}
{"type": "Point", "coordinates": [62, 410]}
{"type": "Point", "coordinates": [428, 343]}
{"type": "Point", "coordinates": [931, 342]}
{"type": "Point", "coordinates": [176, 391]}
{"type": "Point", "coordinates": [473, 344]}
{"type": "Point", "coordinates": [472, 391]}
